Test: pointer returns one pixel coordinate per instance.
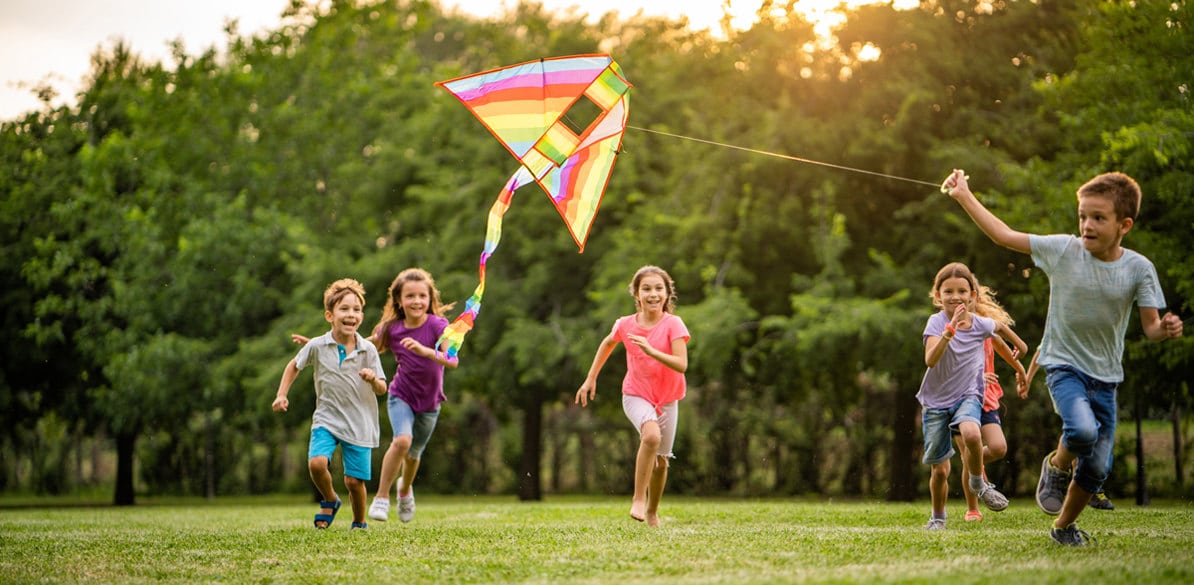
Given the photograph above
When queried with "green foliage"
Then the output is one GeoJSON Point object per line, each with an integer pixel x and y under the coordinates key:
{"type": "Point", "coordinates": [164, 237]}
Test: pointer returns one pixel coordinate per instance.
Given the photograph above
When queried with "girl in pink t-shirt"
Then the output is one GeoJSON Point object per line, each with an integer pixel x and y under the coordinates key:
{"type": "Point", "coordinates": [656, 342]}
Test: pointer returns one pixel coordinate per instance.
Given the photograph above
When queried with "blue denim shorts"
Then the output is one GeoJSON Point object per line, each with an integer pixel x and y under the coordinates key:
{"type": "Point", "coordinates": [358, 461]}
{"type": "Point", "coordinates": [405, 421]}
{"type": "Point", "coordinates": [939, 423]}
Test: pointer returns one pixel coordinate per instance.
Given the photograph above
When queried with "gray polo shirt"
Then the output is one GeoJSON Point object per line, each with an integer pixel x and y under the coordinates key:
{"type": "Point", "coordinates": [345, 404]}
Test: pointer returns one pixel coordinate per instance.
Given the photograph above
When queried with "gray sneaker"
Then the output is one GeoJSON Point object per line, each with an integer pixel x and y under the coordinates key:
{"type": "Point", "coordinates": [406, 504]}
{"type": "Point", "coordinates": [1050, 490]}
{"type": "Point", "coordinates": [1071, 536]}
{"type": "Point", "coordinates": [935, 524]}
{"type": "Point", "coordinates": [991, 497]}
{"type": "Point", "coordinates": [1100, 501]}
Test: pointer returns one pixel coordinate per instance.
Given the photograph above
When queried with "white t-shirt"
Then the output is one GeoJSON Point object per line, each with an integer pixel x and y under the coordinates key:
{"type": "Point", "coordinates": [1090, 302]}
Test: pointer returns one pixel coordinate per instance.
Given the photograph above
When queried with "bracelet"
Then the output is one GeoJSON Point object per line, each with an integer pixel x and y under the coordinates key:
{"type": "Point", "coordinates": [952, 332]}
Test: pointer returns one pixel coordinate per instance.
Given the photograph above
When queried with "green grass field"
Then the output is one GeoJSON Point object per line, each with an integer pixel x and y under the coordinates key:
{"type": "Point", "coordinates": [586, 540]}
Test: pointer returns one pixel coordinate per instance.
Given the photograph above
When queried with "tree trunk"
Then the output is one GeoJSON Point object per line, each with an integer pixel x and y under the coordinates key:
{"type": "Point", "coordinates": [1178, 445]}
{"type": "Point", "coordinates": [903, 449]}
{"type": "Point", "coordinates": [125, 443]}
{"type": "Point", "coordinates": [529, 488]}
{"type": "Point", "coordinates": [209, 457]}
{"type": "Point", "coordinates": [1141, 479]}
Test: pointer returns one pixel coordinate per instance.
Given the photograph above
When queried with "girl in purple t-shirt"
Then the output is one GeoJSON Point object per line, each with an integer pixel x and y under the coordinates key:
{"type": "Point", "coordinates": [656, 342]}
{"type": "Point", "coordinates": [950, 399]}
{"type": "Point", "coordinates": [411, 323]}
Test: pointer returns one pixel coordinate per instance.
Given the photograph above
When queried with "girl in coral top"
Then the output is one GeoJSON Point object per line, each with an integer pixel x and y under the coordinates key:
{"type": "Point", "coordinates": [656, 342]}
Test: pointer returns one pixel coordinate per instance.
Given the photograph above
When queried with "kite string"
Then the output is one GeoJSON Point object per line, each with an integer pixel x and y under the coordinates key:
{"type": "Point", "coordinates": [784, 156]}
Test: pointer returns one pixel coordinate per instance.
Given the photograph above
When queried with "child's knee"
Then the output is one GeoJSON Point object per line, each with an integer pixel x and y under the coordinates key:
{"type": "Point", "coordinates": [650, 435]}
{"type": "Point", "coordinates": [402, 443]}
{"type": "Point", "coordinates": [1081, 439]}
{"type": "Point", "coordinates": [940, 471]}
{"type": "Point", "coordinates": [353, 483]}
{"type": "Point", "coordinates": [317, 464]}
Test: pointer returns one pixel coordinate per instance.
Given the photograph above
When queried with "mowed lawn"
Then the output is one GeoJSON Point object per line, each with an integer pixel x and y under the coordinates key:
{"type": "Point", "coordinates": [586, 540]}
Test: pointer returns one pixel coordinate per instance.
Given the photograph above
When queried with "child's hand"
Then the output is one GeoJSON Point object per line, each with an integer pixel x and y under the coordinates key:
{"type": "Point", "coordinates": [280, 404]}
{"type": "Point", "coordinates": [961, 319]}
{"type": "Point", "coordinates": [641, 342]}
{"type": "Point", "coordinates": [1172, 325]}
{"type": "Point", "coordinates": [955, 184]}
{"type": "Point", "coordinates": [1022, 385]}
{"type": "Point", "coordinates": [299, 339]}
{"type": "Point", "coordinates": [990, 378]}
{"type": "Point", "coordinates": [367, 374]}
{"type": "Point", "coordinates": [587, 392]}
{"type": "Point", "coordinates": [416, 348]}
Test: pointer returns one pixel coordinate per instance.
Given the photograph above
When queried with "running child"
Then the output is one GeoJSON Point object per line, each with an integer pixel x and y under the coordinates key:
{"type": "Point", "coordinates": [949, 395]}
{"type": "Point", "coordinates": [1093, 282]}
{"type": "Point", "coordinates": [991, 424]}
{"type": "Point", "coordinates": [656, 342]}
{"type": "Point", "coordinates": [348, 379]}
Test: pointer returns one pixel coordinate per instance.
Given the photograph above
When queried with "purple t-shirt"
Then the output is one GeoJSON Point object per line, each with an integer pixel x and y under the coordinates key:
{"type": "Point", "coordinates": [418, 381]}
{"type": "Point", "coordinates": [953, 378]}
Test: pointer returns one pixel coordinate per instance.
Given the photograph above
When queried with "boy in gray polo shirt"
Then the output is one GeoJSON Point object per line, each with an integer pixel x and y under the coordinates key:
{"type": "Point", "coordinates": [348, 379]}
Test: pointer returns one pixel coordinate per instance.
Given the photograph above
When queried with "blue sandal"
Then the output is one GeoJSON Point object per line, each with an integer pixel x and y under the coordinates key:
{"type": "Point", "coordinates": [327, 518]}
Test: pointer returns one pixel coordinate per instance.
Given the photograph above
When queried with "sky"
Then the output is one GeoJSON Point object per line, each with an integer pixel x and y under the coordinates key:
{"type": "Point", "coordinates": [53, 40]}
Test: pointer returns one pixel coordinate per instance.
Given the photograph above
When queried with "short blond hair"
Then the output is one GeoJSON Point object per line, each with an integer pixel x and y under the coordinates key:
{"type": "Point", "coordinates": [336, 291]}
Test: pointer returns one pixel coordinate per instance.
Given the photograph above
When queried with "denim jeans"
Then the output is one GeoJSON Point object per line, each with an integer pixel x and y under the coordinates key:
{"type": "Point", "coordinates": [1088, 417]}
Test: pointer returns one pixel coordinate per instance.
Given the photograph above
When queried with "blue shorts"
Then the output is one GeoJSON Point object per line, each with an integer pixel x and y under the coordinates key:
{"type": "Point", "coordinates": [405, 421]}
{"type": "Point", "coordinates": [990, 417]}
{"type": "Point", "coordinates": [358, 461]}
{"type": "Point", "coordinates": [937, 424]}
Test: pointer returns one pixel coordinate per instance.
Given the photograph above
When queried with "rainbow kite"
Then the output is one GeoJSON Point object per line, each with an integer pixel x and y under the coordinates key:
{"type": "Point", "coordinates": [563, 119]}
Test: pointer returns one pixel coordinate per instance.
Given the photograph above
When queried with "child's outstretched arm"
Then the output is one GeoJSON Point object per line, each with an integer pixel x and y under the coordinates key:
{"type": "Point", "coordinates": [1158, 328]}
{"type": "Point", "coordinates": [429, 353]}
{"type": "Point", "coordinates": [994, 227]}
{"type": "Point", "coordinates": [281, 403]}
{"type": "Point", "coordinates": [1012, 358]}
{"type": "Point", "coordinates": [1026, 382]}
{"type": "Point", "coordinates": [1006, 333]}
{"type": "Point", "coordinates": [588, 389]}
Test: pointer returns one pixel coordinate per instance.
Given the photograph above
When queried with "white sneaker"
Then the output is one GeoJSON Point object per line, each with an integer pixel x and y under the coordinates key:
{"type": "Point", "coordinates": [380, 510]}
{"type": "Point", "coordinates": [406, 504]}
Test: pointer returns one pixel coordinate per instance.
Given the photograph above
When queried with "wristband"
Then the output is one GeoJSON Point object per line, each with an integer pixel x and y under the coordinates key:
{"type": "Point", "coordinates": [950, 328]}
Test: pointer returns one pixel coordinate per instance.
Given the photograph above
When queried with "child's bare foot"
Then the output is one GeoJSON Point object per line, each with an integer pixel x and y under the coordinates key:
{"type": "Point", "coordinates": [638, 510]}
{"type": "Point", "coordinates": [652, 519]}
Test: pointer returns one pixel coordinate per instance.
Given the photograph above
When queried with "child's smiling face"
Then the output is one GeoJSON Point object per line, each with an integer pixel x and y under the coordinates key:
{"type": "Point", "coordinates": [415, 299]}
{"type": "Point", "coordinates": [955, 292]}
{"type": "Point", "coordinates": [652, 293]}
{"type": "Point", "coordinates": [346, 315]}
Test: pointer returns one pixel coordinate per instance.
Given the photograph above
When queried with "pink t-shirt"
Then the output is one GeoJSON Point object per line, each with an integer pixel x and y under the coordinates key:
{"type": "Point", "coordinates": [993, 391]}
{"type": "Point", "coordinates": [646, 377]}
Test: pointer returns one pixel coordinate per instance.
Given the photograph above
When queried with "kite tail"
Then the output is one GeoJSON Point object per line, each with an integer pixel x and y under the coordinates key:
{"type": "Point", "coordinates": [453, 336]}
